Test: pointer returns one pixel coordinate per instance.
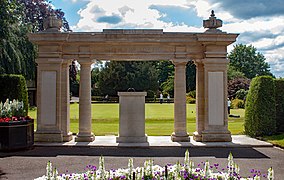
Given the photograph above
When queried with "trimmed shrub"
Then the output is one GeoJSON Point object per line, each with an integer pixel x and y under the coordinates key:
{"type": "Point", "coordinates": [237, 103]}
{"type": "Point", "coordinates": [279, 98]}
{"type": "Point", "coordinates": [14, 87]}
{"type": "Point", "coordinates": [260, 107]}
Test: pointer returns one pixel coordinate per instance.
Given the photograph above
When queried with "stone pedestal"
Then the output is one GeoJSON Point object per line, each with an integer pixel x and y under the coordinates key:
{"type": "Point", "coordinates": [49, 100]}
{"type": "Point", "coordinates": [131, 117]}
{"type": "Point", "coordinates": [211, 107]}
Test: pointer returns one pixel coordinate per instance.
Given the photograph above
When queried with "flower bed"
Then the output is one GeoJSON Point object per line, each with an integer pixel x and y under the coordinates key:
{"type": "Point", "coordinates": [16, 130]}
{"type": "Point", "coordinates": [178, 171]}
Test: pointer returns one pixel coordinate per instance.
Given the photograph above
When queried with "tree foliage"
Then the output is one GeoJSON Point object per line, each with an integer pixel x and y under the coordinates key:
{"type": "Point", "coordinates": [237, 84]}
{"type": "Point", "coordinates": [35, 11]}
{"type": "Point", "coordinates": [119, 76]}
{"type": "Point", "coordinates": [19, 17]}
{"type": "Point", "coordinates": [151, 76]}
{"type": "Point", "coordinates": [247, 60]}
{"type": "Point", "coordinates": [190, 76]}
{"type": "Point", "coordinates": [233, 73]}
{"type": "Point", "coordinates": [10, 56]}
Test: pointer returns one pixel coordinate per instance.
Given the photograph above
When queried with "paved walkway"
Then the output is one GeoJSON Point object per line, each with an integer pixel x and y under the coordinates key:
{"type": "Point", "coordinates": [164, 141]}
{"type": "Point", "coordinates": [74, 157]}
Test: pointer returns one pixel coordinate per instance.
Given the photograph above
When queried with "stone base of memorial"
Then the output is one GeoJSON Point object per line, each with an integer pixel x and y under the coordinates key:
{"type": "Point", "coordinates": [132, 117]}
{"type": "Point", "coordinates": [16, 135]}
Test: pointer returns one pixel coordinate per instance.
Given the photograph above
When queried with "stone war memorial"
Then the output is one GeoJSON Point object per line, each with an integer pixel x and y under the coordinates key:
{"type": "Point", "coordinates": [207, 50]}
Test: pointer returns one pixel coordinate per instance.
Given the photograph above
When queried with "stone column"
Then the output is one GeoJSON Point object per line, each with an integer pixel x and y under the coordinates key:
{"type": "Point", "coordinates": [200, 109]}
{"type": "Point", "coordinates": [65, 102]}
{"type": "Point", "coordinates": [85, 110]}
{"type": "Point", "coordinates": [180, 129]}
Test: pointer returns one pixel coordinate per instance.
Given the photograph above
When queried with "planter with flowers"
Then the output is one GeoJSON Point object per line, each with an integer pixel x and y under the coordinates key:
{"type": "Point", "coordinates": [16, 129]}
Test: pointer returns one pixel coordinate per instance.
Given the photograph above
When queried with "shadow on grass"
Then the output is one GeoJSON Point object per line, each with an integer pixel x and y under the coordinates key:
{"type": "Point", "coordinates": [138, 152]}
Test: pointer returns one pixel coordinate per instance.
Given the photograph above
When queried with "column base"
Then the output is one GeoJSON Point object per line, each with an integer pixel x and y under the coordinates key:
{"type": "Point", "coordinates": [48, 137]}
{"type": "Point", "coordinates": [209, 136]}
{"type": "Point", "coordinates": [197, 137]}
{"type": "Point", "coordinates": [84, 137]}
{"type": "Point", "coordinates": [67, 137]}
{"type": "Point", "coordinates": [180, 138]}
{"type": "Point", "coordinates": [132, 139]}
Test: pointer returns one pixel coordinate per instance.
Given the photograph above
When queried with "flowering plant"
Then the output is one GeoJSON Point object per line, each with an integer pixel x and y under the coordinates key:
{"type": "Point", "coordinates": [12, 111]}
{"type": "Point", "coordinates": [178, 171]}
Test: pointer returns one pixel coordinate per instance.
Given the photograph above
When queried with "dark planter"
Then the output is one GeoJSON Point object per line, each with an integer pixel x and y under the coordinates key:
{"type": "Point", "coordinates": [16, 135]}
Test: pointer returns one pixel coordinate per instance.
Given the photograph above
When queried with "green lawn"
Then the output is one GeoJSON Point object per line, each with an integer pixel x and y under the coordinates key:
{"type": "Point", "coordinates": [159, 119]}
{"type": "Point", "coordinates": [276, 139]}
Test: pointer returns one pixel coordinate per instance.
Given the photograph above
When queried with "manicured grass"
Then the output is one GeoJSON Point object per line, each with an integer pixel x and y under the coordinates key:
{"type": "Point", "coordinates": [236, 125]}
{"type": "Point", "coordinates": [159, 119]}
{"type": "Point", "coordinates": [276, 139]}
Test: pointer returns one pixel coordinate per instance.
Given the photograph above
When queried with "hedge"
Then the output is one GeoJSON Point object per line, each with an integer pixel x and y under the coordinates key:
{"type": "Point", "coordinates": [279, 98]}
{"type": "Point", "coordinates": [260, 107]}
{"type": "Point", "coordinates": [14, 87]}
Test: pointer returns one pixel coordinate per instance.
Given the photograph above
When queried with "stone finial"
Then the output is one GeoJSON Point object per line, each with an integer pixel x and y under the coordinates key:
{"type": "Point", "coordinates": [52, 23]}
{"type": "Point", "coordinates": [212, 23]}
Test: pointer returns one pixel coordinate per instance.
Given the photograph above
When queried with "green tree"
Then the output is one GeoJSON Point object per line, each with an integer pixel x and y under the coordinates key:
{"type": "Point", "coordinates": [190, 76]}
{"type": "Point", "coordinates": [233, 73]}
{"type": "Point", "coordinates": [237, 84]}
{"type": "Point", "coordinates": [166, 70]}
{"type": "Point", "coordinates": [35, 11]}
{"type": "Point", "coordinates": [10, 55]}
{"type": "Point", "coordinates": [119, 76]}
{"type": "Point", "coordinates": [247, 60]}
{"type": "Point", "coordinates": [17, 18]}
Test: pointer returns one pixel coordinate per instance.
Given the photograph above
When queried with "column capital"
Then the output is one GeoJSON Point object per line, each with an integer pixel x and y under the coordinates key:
{"type": "Point", "coordinates": [178, 62]}
{"type": "Point", "coordinates": [86, 61]}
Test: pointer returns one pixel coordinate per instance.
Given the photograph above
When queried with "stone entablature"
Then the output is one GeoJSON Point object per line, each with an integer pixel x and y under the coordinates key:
{"type": "Point", "coordinates": [137, 45]}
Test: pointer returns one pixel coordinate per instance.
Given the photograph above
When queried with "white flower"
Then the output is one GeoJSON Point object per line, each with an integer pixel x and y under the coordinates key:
{"type": "Point", "coordinates": [270, 175]}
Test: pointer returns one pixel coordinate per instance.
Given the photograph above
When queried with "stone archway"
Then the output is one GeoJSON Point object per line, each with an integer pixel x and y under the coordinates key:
{"type": "Point", "coordinates": [208, 50]}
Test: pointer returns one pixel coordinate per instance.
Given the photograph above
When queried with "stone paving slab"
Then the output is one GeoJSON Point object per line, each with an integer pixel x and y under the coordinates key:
{"type": "Point", "coordinates": [163, 141]}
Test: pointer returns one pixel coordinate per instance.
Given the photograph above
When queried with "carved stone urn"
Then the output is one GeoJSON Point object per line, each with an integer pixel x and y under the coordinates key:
{"type": "Point", "coordinates": [52, 23]}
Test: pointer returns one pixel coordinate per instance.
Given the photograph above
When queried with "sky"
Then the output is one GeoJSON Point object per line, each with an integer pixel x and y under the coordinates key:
{"type": "Point", "coordinates": [260, 23]}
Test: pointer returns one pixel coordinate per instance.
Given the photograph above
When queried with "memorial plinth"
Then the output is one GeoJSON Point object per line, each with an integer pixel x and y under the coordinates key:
{"type": "Point", "coordinates": [131, 117]}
